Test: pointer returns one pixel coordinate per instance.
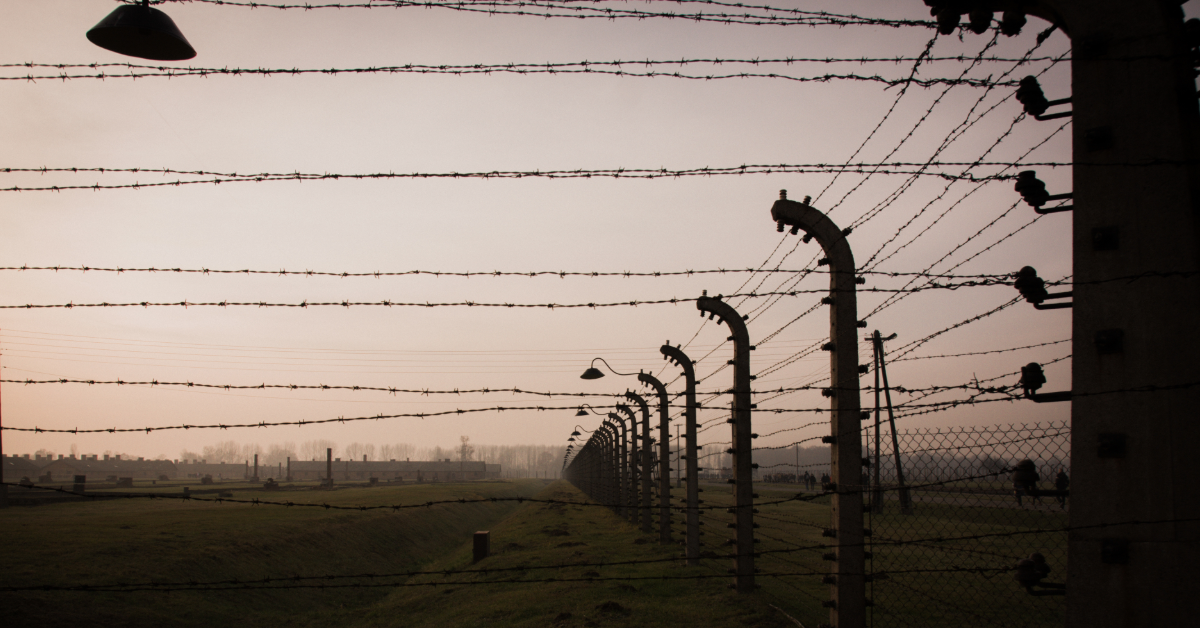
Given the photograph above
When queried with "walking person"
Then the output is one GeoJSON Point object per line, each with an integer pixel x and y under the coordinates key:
{"type": "Point", "coordinates": [1024, 479]}
{"type": "Point", "coordinates": [1062, 482]}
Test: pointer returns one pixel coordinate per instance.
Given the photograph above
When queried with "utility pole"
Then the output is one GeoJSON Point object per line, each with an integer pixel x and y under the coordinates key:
{"type": "Point", "coordinates": [877, 493]}
{"type": "Point", "coordinates": [905, 497]}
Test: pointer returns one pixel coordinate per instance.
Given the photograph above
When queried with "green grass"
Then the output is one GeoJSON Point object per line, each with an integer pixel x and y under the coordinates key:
{"type": "Point", "coordinates": [960, 598]}
{"type": "Point", "coordinates": [949, 599]}
{"type": "Point", "coordinates": [549, 551]}
{"type": "Point", "coordinates": [140, 540]}
{"type": "Point", "coordinates": [564, 542]}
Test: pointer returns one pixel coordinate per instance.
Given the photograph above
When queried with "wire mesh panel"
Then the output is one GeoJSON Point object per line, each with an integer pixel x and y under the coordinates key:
{"type": "Point", "coordinates": [956, 517]}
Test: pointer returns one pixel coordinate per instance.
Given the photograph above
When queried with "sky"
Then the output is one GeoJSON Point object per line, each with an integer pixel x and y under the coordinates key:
{"type": "Point", "coordinates": [439, 123]}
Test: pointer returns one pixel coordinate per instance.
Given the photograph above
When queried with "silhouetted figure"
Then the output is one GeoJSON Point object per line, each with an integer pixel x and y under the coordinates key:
{"type": "Point", "coordinates": [1025, 478]}
{"type": "Point", "coordinates": [1031, 571]}
{"type": "Point", "coordinates": [1062, 482]}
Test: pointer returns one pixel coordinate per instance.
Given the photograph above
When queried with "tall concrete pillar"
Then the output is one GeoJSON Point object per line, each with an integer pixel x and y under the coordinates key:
{"type": "Point", "coordinates": [743, 464]}
{"type": "Point", "coordinates": [677, 357]}
{"type": "Point", "coordinates": [633, 461]}
{"type": "Point", "coordinates": [1135, 539]}
{"type": "Point", "coordinates": [848, 588]}
{"type": "Point", "coordinates": [664, 457]}
{"type": "Point", "coordinates": [647, 461]}
{"type": "Point", "coordinates": [329, 466]}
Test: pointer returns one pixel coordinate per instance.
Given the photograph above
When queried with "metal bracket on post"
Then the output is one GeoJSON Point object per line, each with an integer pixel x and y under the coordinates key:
{"type": "Point", "coordinates": [1030, 95]}
{"type": "Point", "coordinates": [1033, 190]}
{"type": "Point", "coordinates": [692, 547]}
{"type": "Point", "coordinates": [646, 462]}
{"type": "Point", "coordinates": [1033, 288]}
{"type": "Point", "coordinates": [1033, 378]}
{"type": "Point", "coordinates": [743, 470]}
{"type": "Point", "coordinates": [664, 457]}
{"type": "Point", "coordinates": [849, 593]}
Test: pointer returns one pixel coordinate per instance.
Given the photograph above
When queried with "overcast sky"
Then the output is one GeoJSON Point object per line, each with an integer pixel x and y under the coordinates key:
{"type": "Point", "coordinates": [437, 123]}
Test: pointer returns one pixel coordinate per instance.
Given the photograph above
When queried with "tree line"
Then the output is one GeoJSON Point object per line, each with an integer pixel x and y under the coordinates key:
{"type": "Point", "coordinates": [515, 460]}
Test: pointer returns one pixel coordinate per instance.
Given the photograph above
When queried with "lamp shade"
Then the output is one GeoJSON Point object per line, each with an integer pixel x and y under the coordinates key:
{"type": "Point", "coordinates": [141, 31]}
{"type": "Point", "coordinates": [592, 373]}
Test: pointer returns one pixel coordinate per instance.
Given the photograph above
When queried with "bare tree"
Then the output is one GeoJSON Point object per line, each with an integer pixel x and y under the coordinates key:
{"type": "Point", "coordinates": [315, 449]}
{"type": "Point", "coordinates": [249, 450]}
{"type": "Point", "coordinates": [224, 451]}
{"type": "Point", "coordinates": [403, 451]}
{"type": "Point", "coordinates": [278, 454]}
{"type": "Point", "coordinates": [466, 451]}
{"type": "Point", "coordinates": [544, 459]}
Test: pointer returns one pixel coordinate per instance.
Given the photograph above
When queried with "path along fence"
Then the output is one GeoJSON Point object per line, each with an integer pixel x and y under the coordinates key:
{"type": "Point", "coordinates": [942, 549]}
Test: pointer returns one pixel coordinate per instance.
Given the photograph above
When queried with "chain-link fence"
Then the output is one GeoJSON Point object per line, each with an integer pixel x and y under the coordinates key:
{"type": "Point", "coordinates": [953, 512]}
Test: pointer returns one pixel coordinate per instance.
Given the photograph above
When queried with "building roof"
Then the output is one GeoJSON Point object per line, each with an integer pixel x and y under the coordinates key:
{"type": "Point", "coordinates": [401, 466]}
{"type": "Point", "coordinates": [16, 468]}
{"type": "Point", "coordinates": [105, 468]}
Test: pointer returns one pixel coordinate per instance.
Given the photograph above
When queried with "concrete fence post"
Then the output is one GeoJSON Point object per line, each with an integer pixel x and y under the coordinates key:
{"type": "Point", "coordinates": [622, 470]}
{"type": "Point", "coordinates": [676, 356]}
{"type": "Point", "coordinates": [848, 606]}
{"type": "Point", "coordinates": [664, 457]}
{"type": "Point", "coordinates": [742, 450]}
{"type": "Point", "coordinates": [631, 499]}
{"type": "Point", "coordinates": [329, 467]}
{"type": "Point", "coordinates": [646, 462]}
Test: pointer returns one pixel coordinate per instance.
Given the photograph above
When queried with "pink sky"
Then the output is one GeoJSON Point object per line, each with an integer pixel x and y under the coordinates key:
{"type": "Point", "coordinates": [439, 123]}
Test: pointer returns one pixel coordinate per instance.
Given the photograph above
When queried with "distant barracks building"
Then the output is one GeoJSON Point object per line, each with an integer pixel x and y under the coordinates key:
{"type": "Point", "coordinates": [96, 469]}
{"type": "Point", "coordinates": [414, 471]}
{"type": "Point", "coordinates": [64, 469]}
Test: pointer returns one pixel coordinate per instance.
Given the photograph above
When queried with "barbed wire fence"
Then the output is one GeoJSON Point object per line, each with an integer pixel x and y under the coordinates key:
{"type": "Point", "coordinates": [959, 530]}
{"type": "Point", "coordinates": [1021, 495]}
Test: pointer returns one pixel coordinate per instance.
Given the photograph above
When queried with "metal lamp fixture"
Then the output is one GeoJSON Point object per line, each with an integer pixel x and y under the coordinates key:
{"type": "Point", "coordinates": [141, 31]}
{"type": "Point", "coordinates": [594, 373]}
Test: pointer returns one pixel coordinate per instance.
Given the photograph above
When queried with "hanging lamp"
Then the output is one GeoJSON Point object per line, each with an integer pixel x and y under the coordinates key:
{"type": "Point", "coordinates": [138, 30]}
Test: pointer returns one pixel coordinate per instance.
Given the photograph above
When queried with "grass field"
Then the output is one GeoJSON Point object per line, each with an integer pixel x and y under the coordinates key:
{"type": "Point", "coordinates": [547, 555]}
{"type": "Point", "coordinates": [106, 541]}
